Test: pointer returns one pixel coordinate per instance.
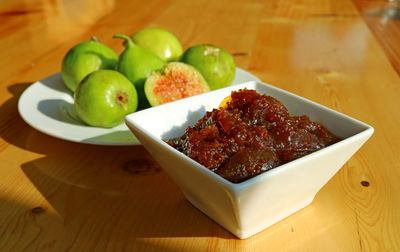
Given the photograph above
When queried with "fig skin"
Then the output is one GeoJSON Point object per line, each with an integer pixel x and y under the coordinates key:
{"type": "Point", "coordinates": [137, 63]}
{"type": "Point", "coordinates": [161, 42]}
{"type": "Point", "coordinates": [84, 59]}
{"type": "Point", "coordinates": [174, 81]}
{"type": "Point", "coordinates": [215, 64]}
{"type": "Point", "coordinates": [104, 98]}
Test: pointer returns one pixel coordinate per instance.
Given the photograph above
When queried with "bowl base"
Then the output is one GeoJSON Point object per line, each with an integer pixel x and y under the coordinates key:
{"type": "Point", "coordinates": [243, 233]}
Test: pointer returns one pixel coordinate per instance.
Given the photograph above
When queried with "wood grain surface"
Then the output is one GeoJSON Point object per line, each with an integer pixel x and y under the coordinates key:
{"type": "Point", "coordinates": [62, 196]}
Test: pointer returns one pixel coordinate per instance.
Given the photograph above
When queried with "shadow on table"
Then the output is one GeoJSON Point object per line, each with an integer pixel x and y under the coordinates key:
{"type": "Point", "coordinates": [119, 191]}
{"type": "Point", "coordinates": [120, 195]}
{"type": "Point", "coordinates": [12, 128]}
{"type": "Point", "coordinates": [114, 191]}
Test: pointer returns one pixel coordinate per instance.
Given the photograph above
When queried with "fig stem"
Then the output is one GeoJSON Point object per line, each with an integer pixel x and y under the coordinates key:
{"type": "Point", "coordinates": [125, 37]}
{"type": "Point", "coordinates": [94, 38]}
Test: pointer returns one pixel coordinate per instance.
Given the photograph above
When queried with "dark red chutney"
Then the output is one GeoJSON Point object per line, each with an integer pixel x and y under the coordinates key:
{"type": "Point", "coordinates": [252, 134]}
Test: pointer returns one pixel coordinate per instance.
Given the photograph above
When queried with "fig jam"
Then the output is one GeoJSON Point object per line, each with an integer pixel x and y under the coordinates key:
{"type": "Point", "coordinates": [252, 134]}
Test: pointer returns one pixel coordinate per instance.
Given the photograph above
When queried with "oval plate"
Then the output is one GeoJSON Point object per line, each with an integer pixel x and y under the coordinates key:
{"type": "Point", "coordinates": [47, 105]}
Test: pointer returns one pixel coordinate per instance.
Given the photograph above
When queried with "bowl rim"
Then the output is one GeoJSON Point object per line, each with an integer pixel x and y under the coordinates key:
{"type": "Point", "coordinates": [236, 188]}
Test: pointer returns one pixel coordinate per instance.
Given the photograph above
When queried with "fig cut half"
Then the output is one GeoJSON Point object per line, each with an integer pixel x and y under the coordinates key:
{"type": "Point", "coordinates": [174, 81]}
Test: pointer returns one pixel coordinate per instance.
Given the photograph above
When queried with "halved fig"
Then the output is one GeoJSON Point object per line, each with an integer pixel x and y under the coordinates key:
{"type": "Point", "coordinates": [175, 81]}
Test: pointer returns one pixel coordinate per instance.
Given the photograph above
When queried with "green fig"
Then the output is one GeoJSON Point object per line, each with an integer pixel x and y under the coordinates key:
{"type": "Point", "coordinates": [84, 59]}
{"type": "Point", "coordinates": [104, 98]}
{"type": "Point", "coordinates": [136, 63]}
{"type": "Point", "coordinates": [161, 42]}
{"type": "Point", "coordinates": [215, 64]}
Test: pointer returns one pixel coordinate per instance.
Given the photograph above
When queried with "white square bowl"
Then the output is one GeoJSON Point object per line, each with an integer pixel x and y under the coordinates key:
{"type": "Point", "coordinates": [248, 207]}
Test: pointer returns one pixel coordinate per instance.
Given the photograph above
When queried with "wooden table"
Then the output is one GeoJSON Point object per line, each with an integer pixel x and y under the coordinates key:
{"type": "Point", "coordinates": [57, 195]}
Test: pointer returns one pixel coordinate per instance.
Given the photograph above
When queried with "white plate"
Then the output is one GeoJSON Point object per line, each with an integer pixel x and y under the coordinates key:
{"type": "Point", "coordinates": [47, 105]}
